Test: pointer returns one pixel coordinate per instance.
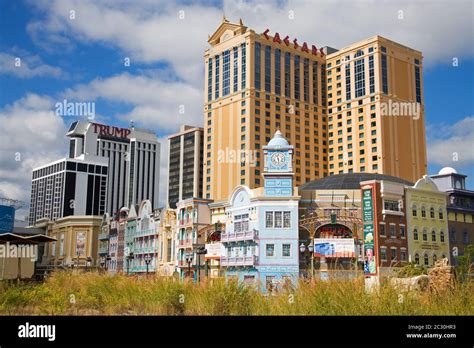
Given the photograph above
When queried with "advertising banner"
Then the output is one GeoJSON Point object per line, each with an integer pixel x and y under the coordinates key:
{"type": "Point", "coordinates": [370, 264]}
{"type": "Point", "coordinates": [334, 247]}
{"type": "Point", "coordinates": [7, 218]}
{"type": "Point", "coordinates": [81, 244]}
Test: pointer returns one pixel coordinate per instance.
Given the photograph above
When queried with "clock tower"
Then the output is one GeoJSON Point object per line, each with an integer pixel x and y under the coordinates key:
{"type": "Point", "coordinates": [278, 169]}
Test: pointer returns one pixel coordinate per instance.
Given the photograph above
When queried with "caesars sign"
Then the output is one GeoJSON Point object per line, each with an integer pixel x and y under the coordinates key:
{"type": "Point", "coordinates": [110, 131]}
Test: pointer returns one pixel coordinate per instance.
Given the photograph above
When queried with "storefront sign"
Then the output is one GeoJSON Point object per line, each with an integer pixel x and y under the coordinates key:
{"type": "Point", "coordinates": [370, 264]}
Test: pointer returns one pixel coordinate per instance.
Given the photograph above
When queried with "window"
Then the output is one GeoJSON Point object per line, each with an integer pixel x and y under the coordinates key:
{"type": "Point", "coordinates": [257, 75]}
{"type": "Point", "coordinates": [434, 258]}
{"type": "Point", "coordinates": [384, 74]}
{"type": "Point", "coordinates": [391, 205]}
{"type": "Point", "coordinates": [278, 219]}
{"type": "Point", "coordinates": [287, 219]}
{"type": "Point", "coordinates": [452, 236]}
{"type": "Point", "coordinates": [382, 229]}
{"type": "Point", "coordinates": [440, 214]}
{"type": "Point", "coordinates": [403, 254]}
{"type": "Point", "coordinates": [426, 261]}
{"type": "Point", "coordinates": [415, 234]}
{"type": "Point", "coordinates": [297, 78]}
{"type": "Point", "coordinates": [418, 84]}
{"type": "Point", "coordinates": [402, 231]}
{"type": "Point", "coordinates": [441, 236]}
{"type": "Point", "coordinates": [287, 73]}
{"type": "Point", "coordinates": [217, 77]}
{"type": "Point", "coordinates": [423, 212]}
{"type": "Point", "coordinates": [268, 54]}
{"type": "Point", "coordinates": [413, 211]}
{"type": "Point", "coordinates": [417, 259]}
{"type": "Point", "coordinates": [432, 213]}
{"type": "Point", "coordinates": [393, 253]}
{"type": "Point", "coordinates": [425, 234]}
{"type": "Point", "coordinates": [465, 237]}
{"type": "Point", "coordinates": [383, 253]}
{"type": "Point", "coordinates": [244, 70]}
{"type": "Point", "coordinates": [371, 75]}
{"type": "Point", "coordinates": [209, 80]}
{"type": "Point", "coordinates": [278, 71]}
{"type": "Point", "coordinates": [269, 219]}
{"type": "Point", "coordinates": [286, 250]}
{"type": "Point", "coordinates": [270, 250]}
{"type": "Point", "coordinates": [348, 81]}
{"type": "Point", "coordinates": [359, 76]}
{"type": "Point", "coordinates": [433, 236]}
{"type": "Point", "coordinates": [393, 233]}
{"type": "Point", "coordinates": [236, 69]}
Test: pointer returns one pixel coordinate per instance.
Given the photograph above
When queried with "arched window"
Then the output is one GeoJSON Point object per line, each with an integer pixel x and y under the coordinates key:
{"type": "Point", "coordinates": [441, 215]}
{"type": "Point", "coordinates": [441, 236]}
{"type": "Point", "coordinates": [434, 258]}
{"type": "Point", "coordinates": [413, 210]}
{"type": "Point", "coordinates": [423, 212]}
{"type": "Point", "coordinates": [443, 256]}
{"type": "Point", "coordinates": [426, 260]}
{"type": "Point", "coordinates": [433, 236]}
{"type": "Point", "coordinates": [432, 215]}
{"type": "Point", "coordinates": [425, 234]}
{"type": "Point", "coordinates": [417, 259]}
{"type": "Point", "coordinates": [415, 234]}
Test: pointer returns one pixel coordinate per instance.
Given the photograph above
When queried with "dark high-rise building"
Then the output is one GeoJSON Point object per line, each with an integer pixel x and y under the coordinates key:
{"type": "Point", "coordinates": [185, 164]}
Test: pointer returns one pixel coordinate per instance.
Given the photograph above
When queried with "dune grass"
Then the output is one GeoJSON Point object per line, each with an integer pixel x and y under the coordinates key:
{"type": "Point", "coordinates": [73, 293]}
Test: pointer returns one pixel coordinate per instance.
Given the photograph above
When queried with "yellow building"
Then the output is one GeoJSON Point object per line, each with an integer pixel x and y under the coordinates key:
{"type": "Point", "coordinates": [167, 243]}
{"type": "Point", "coordinates": [427, 222]}
{"type": "Point", "coordinates": [77, 239]}
{"type": "Point", "coordinates": [254, 85]}
{"type": "Point", "coordinates": [322, 100]}
{"type": "Point", "coordinates": [376, 110]}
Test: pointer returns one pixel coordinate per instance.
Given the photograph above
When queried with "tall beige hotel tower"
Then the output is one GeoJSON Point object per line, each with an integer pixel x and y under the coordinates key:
{"type": "Point", "coordinates": [357, 109]}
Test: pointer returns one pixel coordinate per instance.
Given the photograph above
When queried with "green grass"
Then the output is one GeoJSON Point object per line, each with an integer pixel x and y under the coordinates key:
{"type": "Point", "coordinates": [72, 293]}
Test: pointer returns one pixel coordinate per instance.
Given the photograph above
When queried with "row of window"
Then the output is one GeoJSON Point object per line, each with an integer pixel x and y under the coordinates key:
{"type": "Point", "coordinates": [278, 219]}
{"type": "Point", "coordinates": [432, 212]}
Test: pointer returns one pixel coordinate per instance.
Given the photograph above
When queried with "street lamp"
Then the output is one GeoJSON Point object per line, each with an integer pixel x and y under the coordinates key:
{"type": "Point", "coordinates": [107, 260]}
{"type": "Point", "coordinates": [189, 260]}
{"type": "Point", "coordinates": [102, 262]}
{"type": "Point", "coordinates": [88, 263]}
{"type": "Point", "coordinates": [147, 261]}
{"type": "Point", "coordinates": [199, 251]}
{"type": "Point", "coordinates": [129, 258]}
{"type": "Point", "coordinates": [310, 248]}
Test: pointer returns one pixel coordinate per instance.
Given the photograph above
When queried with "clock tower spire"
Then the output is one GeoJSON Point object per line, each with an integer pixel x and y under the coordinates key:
{"type": "Point", "coordinates": [278, 167]}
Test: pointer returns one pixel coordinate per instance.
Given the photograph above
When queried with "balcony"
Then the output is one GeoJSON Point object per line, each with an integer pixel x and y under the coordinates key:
{"type": "Point", "coordinates": [185, 243]}
{"type": "Point", "coordinates": [144, 233]}
{"type": "Point", "coordinates": [103, 235]}
{"type": "Point", "coordinates": [145, 250]}
{"type": "Point", "coordinates": [239, 236]}
{"type": "Point", "coordinates": [239, 261]}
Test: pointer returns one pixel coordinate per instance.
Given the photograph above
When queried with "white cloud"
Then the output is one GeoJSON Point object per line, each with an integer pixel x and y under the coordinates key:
{"type": "Point", "coordinates": [452, 145]}
{"type": "Point", "coordinates": [26, 66]}
{"type": "Point", "coordinates": [156, 104]}
{"type": "Point", "coordinates": [150, 31]}
{"type": "Point", "coordinates": [31, 135]}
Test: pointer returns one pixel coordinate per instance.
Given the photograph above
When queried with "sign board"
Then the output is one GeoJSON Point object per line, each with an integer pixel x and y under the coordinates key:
{"type": "Point", "coordinates": [334, 247]}
{"type": "Point", "coordinates": [370, 264]}
{"type": "Point", "coordinates": [80, 243]}
{"type": "Point", "coordinates": [7, 219]}
{"type": "Point", "coordinates": [214, 250]}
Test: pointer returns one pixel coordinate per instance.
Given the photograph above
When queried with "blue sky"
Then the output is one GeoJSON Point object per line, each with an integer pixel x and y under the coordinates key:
{"type": "Point", "coordinates": [83, 59]}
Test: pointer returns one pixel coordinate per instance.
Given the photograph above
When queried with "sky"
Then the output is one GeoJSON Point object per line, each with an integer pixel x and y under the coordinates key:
{"type": "Point", "coordinates": [78, 50]}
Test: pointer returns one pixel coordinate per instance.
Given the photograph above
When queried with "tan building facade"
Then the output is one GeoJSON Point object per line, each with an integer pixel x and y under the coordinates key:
{"type": "Point", "coordinates": [328, 103]}
{"type": "Point", "coordinates": [376, 110]}
{"type": "Point", "coordinates": [256, 84]}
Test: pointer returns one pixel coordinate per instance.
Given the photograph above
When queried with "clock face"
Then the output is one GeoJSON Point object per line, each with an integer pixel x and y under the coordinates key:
{"type": "Point", "coordinates": [278, 159]}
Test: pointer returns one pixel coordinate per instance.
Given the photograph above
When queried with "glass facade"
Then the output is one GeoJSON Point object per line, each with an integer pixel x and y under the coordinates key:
{"type": "Point", "coordinates": [306, 80]}
{"type": "Point", "coordinates": [384, 74]}
{"type": "Point", "coordinates": [297, 78]}
{"type": "Point", "coordinates": [236, 69]}
{"type": "Point", "coordinates": [418, 84]}
{"type": "Point", "coordinates": [244, 66]}
{"type": "Point", "coordinates": [226, 73]}
{"type": "Point", "coordinates": [287, 74]}
{"type": "Point", "coordinates": [217, 78]}
{"type": "Point", "coordinates": [278, 71]}
{"type": "Point", "coordinates": [209, 80]}
{"type": "Point", "coordinates": [359, 76]}
{"type": "Point", "coordinates": [348, 81]}
{"type": "Point", "coordinates": [257, 76]}
{"type": "Point", "coordinates": [371, 75]}
{"type": "Point", "coordinates": [268, 66]}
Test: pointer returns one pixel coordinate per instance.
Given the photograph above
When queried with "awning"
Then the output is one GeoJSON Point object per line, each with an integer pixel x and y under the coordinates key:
{"type": "Point", "coordinates": [26, 239]}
